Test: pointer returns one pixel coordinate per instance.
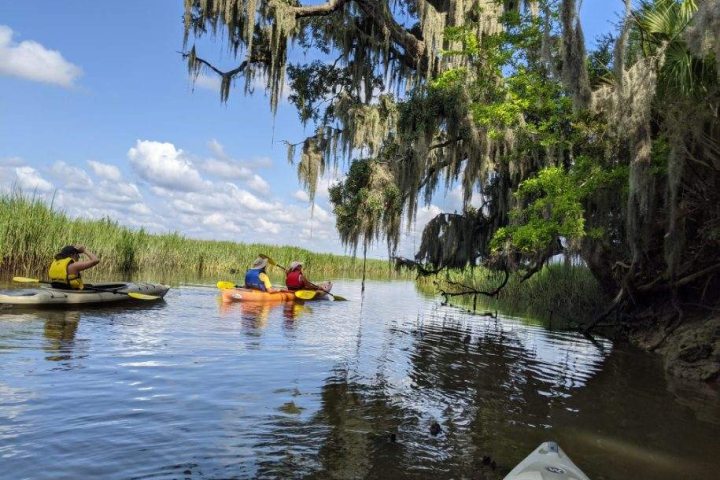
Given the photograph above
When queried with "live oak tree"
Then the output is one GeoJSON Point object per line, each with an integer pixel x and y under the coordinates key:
{"type": "Point", "coordinates": [613, 155]}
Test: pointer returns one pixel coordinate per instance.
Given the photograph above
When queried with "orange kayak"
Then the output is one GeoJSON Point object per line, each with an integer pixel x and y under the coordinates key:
{"type": "Point", "coordinates": [249, 295]}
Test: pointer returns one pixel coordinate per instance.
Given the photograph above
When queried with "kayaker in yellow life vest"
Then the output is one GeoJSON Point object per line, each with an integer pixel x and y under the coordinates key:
{"type": "Point", "coordinates": [257, 279]}
{"type": "Point", "coordinates": [64, 271]}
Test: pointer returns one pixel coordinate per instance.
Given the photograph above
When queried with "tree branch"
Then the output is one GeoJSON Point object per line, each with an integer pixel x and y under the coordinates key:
{"type": "Point", "coordinates": [401, 262]}
{"type": "Point", "coordinates": [319, 10]}
{"type": "Point", "coordinates": [473, 291]}
{"type": "Point", "coordinates": [379, 13]}
{"type": "Point", "coordinates": [230, 73]}
{"type": "Point", "coordinates": [376, 11]}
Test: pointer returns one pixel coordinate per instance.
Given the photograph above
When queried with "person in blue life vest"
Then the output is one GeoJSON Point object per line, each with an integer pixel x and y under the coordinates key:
{"type": "Point", "coordinates": [257, 279]}
{"type": "Point", "coordinates": [64, 271]}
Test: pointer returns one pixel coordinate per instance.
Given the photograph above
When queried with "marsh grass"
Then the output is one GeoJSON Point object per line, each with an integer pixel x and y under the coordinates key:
{"type": "Point", "coordinates": [31, 232]}
{"type": "Point", "coordinates": [559, 295]}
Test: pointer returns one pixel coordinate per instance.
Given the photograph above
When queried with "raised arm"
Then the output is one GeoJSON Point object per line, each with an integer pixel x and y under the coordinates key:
{"type": "Point", "coordinates": [77, 267]}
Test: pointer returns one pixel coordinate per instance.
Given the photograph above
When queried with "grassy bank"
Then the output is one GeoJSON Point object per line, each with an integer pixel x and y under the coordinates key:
{"type": "Point", "coordinates": [558, 295]}
{"type": "Point", "coordinates": [31, 233]}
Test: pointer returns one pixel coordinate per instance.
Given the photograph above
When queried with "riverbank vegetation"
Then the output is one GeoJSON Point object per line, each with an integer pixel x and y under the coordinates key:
{"type": "Point", "coordinates": [31, 232]}
{"type": "Point", "coordinates": [559, 296]}
{"type": "Point", "coordinates": [611, 155]}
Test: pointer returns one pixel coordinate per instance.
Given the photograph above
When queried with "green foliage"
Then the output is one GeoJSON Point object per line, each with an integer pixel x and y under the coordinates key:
{"type": "Point", "coordinates": [553, 209]}
{"type": "Point", "coordinates": [600, 61]}
{"type": "Point", "coordinates": [661, 24]}
{"type": "Point", "coordinates": [551, 205]}
{"type": "Point", "coordinates": [611, 151]}
{"type": "Point", "coordinates": [559, 295]}
{"type": "Point", "coordinates": [366, 203]}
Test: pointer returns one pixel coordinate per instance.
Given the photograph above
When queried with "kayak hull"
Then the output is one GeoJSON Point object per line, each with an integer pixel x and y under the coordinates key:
{"type": "Point", "coordinates": [240, 294]}
{"type": "Point", "coordinates": [114, 292]}
{"type": "Point", "coordinates": [249, 295]}
{"type": "Point", "coordinates": [547, 462]}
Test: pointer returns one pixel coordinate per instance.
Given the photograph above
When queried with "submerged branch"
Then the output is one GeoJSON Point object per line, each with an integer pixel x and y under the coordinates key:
{"type": "Point", "coordinates": [616, 303]}
{"type": "Point", "coordinates": [468, 290]}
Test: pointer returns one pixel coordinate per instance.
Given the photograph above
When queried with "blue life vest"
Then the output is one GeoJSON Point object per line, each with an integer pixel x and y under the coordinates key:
{"type": "Point", "coordinates": [252, 279]}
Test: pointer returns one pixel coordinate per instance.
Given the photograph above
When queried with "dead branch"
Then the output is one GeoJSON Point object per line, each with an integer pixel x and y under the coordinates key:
{"type": "Point", "coordinates": [616, 303]}
{"type": "Point", "coordinates": [468, 290]}
{"type": "Point", "coordinates": [402, 262]}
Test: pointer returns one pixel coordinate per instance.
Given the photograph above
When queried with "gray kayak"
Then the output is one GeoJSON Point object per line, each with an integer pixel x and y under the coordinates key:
{"type": "Point", "coordinates": [95, 293]}
{"type": "Point", "coordinates": [547, 462]}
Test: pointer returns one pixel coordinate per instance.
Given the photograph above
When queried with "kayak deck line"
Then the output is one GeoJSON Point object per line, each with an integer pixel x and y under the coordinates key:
{"type": "Point", "coordinates": [241, 294]}
{"type": "Point", "coordinates": [95, 293]}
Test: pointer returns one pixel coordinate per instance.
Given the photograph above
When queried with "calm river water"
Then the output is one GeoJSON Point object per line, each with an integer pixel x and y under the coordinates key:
{"type": "Point", "coordinates": [189, 388]}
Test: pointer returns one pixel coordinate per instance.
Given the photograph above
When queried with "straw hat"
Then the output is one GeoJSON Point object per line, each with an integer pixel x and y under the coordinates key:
{"type": "Point", "coordinates": [294, 265]}
{"type": "Point", "coordinates": [259, 263]}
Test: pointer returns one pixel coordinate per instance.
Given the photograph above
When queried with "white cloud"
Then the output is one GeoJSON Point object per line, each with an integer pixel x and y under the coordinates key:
{"type": "Point", "coordinates": [258, 184]}
{"type": "Point", "coordinates": [456, 199]}
{"type": "Point", "coordinates": [221, 196]}
{"type": "Point", "coordinates": [268, 227]}
{"type": "Point", "coordinates": [247, 200]}
{"type": "Point", "coordinates": [261, 162]}
{"type": "Point", "coordinates": [424, 215]}
{"type": "Point", "coordinates": [11, 162]}
{"type": "Point", "coordinates": [105, 170]}
{"type": "Point", "coordinates": [207, 82]}
{"type": "Point", "coordinates": [322, 215]}
{"type": "Point", "coordinates": [221, 165]}
{"type": "Point", "coordinates": [221, 222]}
{"type": "Point", "coordinates": [324, 184]}
{"type": "Point", "coordinates": [226, 169]}
{"type": "Point", "coordinates": [163, 165]}
{"type": "Point", "coordinates": [8, 178]}
{"type": "Point", "coordinates": [29, 179]}
{"type": "Point", "coordinates": [217, 149]}
{"type": "Point", "coordinates": [301, 195]}
{"type": "Point", "coordinates": [31, 61]}
{"type": "Point", "coordinates": [118, 192]}
{"type": "Point", "coordinates": [74, 178]}
{"type": "Point", "coordinates": [185, 207]}
{"type": "Point", "coordinates": [140, 209]}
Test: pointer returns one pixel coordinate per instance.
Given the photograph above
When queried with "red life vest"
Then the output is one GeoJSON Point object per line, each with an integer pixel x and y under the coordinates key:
{"type": "Point", "coordinates": [294, 280]}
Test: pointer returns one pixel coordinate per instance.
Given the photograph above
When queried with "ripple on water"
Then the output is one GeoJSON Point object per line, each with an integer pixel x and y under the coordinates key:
{"type": "Point", "coordinates": [389, 385]}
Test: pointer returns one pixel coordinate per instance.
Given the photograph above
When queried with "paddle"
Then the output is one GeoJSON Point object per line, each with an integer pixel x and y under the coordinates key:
{"type": "Point", "coordinates": [305, 295]}
{"type": "Point", "coordinates": [139, 296]}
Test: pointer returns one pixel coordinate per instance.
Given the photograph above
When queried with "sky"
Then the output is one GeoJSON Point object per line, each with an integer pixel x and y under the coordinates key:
{"type": "Point", "coordinates": [99, 116]}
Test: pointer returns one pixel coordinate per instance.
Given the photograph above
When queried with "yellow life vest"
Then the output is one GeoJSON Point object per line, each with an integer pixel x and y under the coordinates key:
{"type": "Point", "coordinates": [58, 274]}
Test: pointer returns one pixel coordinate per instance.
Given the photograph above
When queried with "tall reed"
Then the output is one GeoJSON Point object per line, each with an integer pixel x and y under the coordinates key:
{"type": "Point", "coordinates": [31, 232]}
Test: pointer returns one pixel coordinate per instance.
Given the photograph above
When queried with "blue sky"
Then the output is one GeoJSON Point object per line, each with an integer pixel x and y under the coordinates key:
{"type": "Point", "coordinates": [98, 112]}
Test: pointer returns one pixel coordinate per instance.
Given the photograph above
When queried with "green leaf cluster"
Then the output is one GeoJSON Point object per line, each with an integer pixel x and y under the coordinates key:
{"type": "Point", "coordinates": [366, 204]}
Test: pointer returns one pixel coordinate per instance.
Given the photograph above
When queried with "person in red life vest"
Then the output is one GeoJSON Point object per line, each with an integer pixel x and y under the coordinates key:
{"type": "Point", "coordinates": [295, 279]}
{"type": "Point", "coordinates": [64, 271]}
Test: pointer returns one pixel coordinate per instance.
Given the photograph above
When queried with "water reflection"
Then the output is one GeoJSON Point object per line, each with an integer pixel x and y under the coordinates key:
{"type": "Point", "coordinates": [484, 386]}
{"type": "Point", "coordinates": [60, 330]}
{"type": "Point", "coordinates": [255, 315]}
{"type": "Point", "coordinates": [194, 388]}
